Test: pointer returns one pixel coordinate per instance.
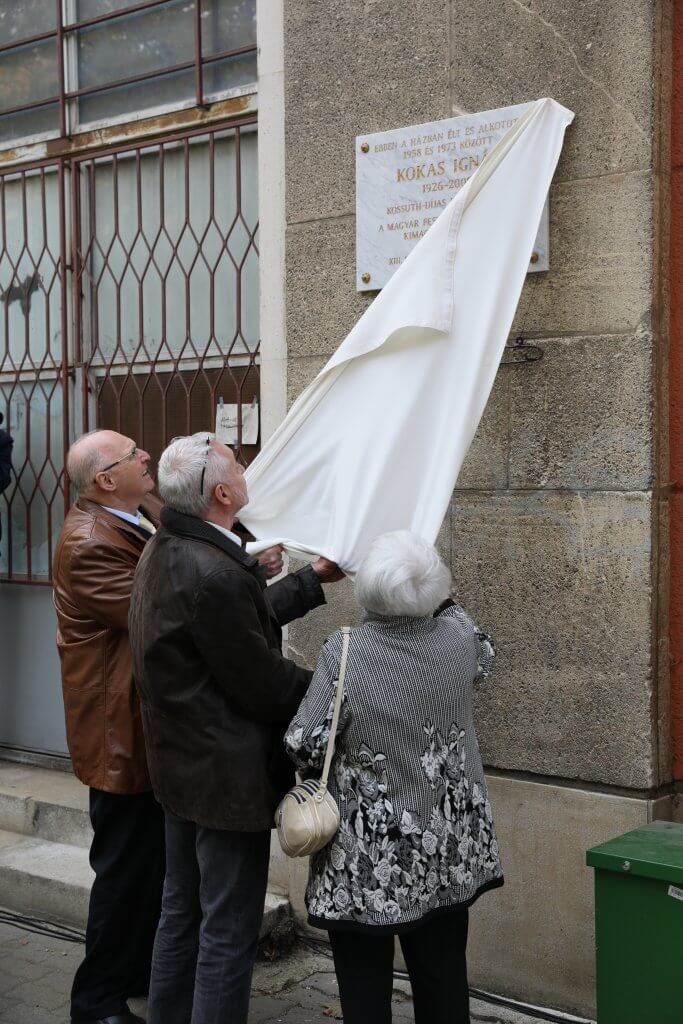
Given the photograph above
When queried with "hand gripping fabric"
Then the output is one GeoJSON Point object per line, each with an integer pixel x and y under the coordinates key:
{"type": "Point", "coordinates": [308, 817]}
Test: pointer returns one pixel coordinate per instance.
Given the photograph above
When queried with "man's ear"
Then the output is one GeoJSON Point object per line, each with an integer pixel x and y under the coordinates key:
{"type": "Point", "coordinates": [223, 494]}
{"type": "Point", "coordinates": [105, 482]}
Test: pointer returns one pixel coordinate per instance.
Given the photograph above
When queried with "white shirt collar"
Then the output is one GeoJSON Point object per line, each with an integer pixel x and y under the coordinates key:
{"type": "Point", "coordinates": [228, 533]}
{"type": "Point", "coordinates": [126, 516]}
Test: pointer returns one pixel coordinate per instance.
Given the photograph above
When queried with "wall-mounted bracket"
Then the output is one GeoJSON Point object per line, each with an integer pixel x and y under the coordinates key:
{"type": "Point", "coordinates": [519, 352]}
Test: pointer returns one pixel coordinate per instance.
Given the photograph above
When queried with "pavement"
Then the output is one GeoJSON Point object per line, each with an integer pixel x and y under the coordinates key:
{"type": "Point", "coordinates": [294, 985]}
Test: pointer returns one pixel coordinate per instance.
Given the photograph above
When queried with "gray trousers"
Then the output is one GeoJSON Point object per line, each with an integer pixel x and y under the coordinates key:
{"type": "Point", "coordinates": [211, 914]}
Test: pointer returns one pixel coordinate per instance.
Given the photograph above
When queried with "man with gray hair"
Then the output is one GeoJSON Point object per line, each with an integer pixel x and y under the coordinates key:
{"type": "Point", "coordinates": [216, 694]}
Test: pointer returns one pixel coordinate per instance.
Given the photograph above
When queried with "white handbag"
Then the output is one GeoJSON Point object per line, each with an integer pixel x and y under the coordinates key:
{"type": "Point", "coordinates": [307, 816]}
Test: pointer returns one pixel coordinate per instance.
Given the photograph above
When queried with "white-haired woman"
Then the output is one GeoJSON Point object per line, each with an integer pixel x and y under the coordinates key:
{"type": "Point", "coordinates": [416, 844]}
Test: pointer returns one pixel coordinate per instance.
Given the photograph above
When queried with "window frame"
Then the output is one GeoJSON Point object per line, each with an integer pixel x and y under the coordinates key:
{"type": "Point", "coordinates": [66, 33]}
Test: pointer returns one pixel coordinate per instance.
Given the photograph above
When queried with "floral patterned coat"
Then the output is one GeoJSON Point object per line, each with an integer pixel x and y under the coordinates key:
{"type": "Point", "coordinates": [416, 835]}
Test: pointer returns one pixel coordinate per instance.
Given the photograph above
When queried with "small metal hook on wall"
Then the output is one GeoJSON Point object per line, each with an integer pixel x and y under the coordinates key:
{"type": "Point", "coordinates": [519, 352]}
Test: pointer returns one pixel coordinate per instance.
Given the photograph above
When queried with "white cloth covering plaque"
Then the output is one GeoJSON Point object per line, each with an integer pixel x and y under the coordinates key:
{"type": "Point", "coordinates": [376, 442]}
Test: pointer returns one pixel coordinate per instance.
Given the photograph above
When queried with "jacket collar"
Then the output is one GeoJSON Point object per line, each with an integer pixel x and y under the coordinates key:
{"type": "Point", "coordinates": [151, 506]}
{"type": "Point", "coordinates": [93, 509]}
{"type": "Point", "coordinates": [190, 526]}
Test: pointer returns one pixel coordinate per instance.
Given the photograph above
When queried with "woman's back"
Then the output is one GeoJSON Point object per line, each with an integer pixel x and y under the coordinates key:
{"type": "Point", "coordinates": [416, 832]}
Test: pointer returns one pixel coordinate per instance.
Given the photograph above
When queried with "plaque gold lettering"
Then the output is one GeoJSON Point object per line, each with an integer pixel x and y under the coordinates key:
{"type": "Point", "coordinates": [418, 172]}
{"type": "Point", "coordinates": [467, 163]}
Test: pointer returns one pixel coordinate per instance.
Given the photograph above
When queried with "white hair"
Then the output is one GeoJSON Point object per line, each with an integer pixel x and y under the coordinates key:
{"type": "Point", "coordinates": [402, 574]}
{"type": "Point", "coordinates": [179, 475]}
{"type": "Point", "coordinates": [83, 467]}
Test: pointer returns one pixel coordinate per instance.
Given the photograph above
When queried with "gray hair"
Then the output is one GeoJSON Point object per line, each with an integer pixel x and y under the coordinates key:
{"type": "Point", "coordinates": [179, 474]}
{"type": "Point", "coordinates": [402, 574]}
{"type": "Point", "coordinates": [83, 467]}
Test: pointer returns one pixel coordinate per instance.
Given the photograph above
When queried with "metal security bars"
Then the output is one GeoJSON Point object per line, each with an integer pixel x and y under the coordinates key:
{"type": "Point", "coordinates": [129, 290]}
{"type": "Point", "coordinates": [165, 283]}
{"type": "Point", "coordinates": [34, 364]}
{"type": "Point", "coordinates": [70, 58]}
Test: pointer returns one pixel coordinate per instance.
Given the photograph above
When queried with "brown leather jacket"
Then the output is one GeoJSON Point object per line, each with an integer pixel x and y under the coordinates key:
{"type": "Point", "coordinates": [95, 560]}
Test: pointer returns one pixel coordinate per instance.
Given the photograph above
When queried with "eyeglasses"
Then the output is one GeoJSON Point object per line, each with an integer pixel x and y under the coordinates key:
{"type": "Point", "coordinates": [131, 455]}
{"type": "Point", "coordinates": [201, 482]}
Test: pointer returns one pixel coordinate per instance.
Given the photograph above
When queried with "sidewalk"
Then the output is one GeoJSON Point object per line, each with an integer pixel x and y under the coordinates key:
{"type": "Point", "coordinates": [299, 988]}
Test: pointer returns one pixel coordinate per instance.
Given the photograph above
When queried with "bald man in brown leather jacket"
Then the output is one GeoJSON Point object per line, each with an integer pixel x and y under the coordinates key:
{"type": "Point", "coordinates": [98, 550]}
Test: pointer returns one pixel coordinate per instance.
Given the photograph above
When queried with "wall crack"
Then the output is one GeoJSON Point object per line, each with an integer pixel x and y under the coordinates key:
{"type": "Point", "coordinates": [584, 74]}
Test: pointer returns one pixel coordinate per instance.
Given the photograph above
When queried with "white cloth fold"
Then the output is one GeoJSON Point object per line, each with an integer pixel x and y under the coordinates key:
{"type": "Point", "coordinates": [376, 442]}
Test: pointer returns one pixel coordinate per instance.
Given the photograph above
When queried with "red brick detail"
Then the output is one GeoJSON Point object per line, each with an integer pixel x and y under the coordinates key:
{"type": "Point", "coordinates": [676, 396]}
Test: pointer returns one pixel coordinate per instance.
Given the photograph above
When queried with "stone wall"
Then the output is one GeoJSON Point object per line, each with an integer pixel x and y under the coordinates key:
{"type": "Point", "coordinates": [676, 393]}
{"type": "Point", "coordinates": [554, 533]}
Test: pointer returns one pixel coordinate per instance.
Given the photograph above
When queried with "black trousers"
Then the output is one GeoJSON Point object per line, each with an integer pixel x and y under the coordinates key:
{"type": "Point", "coordinates": [205, 946]}
{"type": "Point", "coordinates": [435, 955]}
{"type": "Point", "coordinates": [127, 856]}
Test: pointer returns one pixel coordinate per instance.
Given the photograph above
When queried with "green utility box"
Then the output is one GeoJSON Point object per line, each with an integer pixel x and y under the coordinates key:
{"type": "Point", "coordinates": [639, 925]}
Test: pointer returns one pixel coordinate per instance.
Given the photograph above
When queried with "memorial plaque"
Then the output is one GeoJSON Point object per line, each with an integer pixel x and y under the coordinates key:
{"type": "Point", "coordinates": [405, 178]}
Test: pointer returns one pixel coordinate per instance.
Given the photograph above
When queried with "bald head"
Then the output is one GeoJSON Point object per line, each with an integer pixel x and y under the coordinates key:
{"type": "Point", "coordinates": [108, 468]}
{"type": "Point", "coordinates": [87, 456]}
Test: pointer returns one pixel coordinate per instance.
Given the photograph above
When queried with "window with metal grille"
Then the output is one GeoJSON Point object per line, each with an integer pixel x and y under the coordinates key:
{"type": "Point", "coordinates": [129, 288]}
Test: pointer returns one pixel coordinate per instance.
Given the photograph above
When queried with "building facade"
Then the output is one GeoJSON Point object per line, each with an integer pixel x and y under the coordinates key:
{"type": "Point", "coordinates": [138, 219]}
{"type": "Point", "coordinates": [558, 533]}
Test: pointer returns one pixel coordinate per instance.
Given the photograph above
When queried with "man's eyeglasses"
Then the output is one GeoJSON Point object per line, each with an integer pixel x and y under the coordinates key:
{"type": "Point", "coordinates": [131, 455]}
{"type": "Point", "coordinates": [206, 459]}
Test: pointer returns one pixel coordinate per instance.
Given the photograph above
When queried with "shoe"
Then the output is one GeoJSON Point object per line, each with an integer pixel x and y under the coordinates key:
{"type": "Point", "coordinates": [118, 1018]}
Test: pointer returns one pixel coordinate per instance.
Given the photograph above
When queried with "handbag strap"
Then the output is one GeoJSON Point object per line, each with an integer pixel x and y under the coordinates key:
{"type": "Point", "coordinates": [346, 633]}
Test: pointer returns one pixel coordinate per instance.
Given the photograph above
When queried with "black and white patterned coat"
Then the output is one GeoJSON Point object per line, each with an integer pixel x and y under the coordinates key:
{"type": "Point", "coordinates": [416, 835]}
